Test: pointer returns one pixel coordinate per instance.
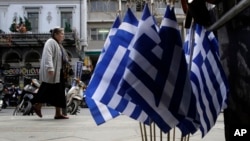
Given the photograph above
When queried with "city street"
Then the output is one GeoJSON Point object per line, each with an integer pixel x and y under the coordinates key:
{"type": "Point", "coordinates": [82, 127]}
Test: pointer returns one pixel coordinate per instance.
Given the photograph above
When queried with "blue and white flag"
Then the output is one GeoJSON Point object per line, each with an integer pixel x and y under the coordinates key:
{"type": "Point", "coordinates": [156, 76]}
{"type": "Point", "coordinates": [181, 101]}
{"type": "Point", "coordinates": [100, 112]}
{"type": "Point", "coordinates": [108, 73]}
{"type": "Point", "coordinates": [207, 76]}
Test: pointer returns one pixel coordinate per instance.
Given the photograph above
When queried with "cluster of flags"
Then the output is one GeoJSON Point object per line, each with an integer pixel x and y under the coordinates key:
{"type": "Point", "coordinates": [146, 73]}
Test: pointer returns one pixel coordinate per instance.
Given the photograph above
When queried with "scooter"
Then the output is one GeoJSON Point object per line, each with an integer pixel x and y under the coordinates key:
{"type": "Point", "coordinates": [74, 97]}
{"type": "Point", "coordinates": [25, 106]}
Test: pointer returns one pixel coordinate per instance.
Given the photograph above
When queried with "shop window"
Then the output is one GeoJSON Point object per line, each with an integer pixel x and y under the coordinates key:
{"type": "Point", "coordinates": [12, 79]}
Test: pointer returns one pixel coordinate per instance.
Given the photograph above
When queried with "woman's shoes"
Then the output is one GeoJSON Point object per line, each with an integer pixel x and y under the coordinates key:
{"type": "Point", "coordinates": [37, 109]}
{"type": "Point", "coordinates": [61, 117]}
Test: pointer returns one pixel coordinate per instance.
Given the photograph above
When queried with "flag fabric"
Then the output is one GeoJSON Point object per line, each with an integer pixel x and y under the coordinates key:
{"type": "Point", "coordinates": [100, 111]}
{"type": "Point", "coordinates": [207, 77]}
{"type": "Point", "coordinates": [156, 76]}
{"type": "Point", "coordinates": [181, 101]}
{"type": "Point", "coordinates": [107, 75]}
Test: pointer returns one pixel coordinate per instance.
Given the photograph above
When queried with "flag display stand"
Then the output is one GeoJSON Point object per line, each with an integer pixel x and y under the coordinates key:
{"type": "Point", "coordinates": [153, 133]}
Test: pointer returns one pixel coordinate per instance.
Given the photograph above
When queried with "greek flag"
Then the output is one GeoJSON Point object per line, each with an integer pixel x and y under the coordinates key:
{"type": "Point", "coordinates": [99, 111]}
{"type": "Point", "coordinates": [156, 76]}
{"type": "Point", "coordinates": [181, 101]}
{"type": "Point", "coordinates": [105, 81]}
{"type": "Point", "coordinates": [208, 79]}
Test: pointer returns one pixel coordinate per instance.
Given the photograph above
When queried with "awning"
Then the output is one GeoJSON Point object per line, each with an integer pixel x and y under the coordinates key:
{"type": "Point", "coordinates": [92, 52]}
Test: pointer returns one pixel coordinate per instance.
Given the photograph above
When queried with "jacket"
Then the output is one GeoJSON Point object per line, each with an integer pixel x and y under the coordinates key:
{"type": "Point", "coordinates": [51, 61]}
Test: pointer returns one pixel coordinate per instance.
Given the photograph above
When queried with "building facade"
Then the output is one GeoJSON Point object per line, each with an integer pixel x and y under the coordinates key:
{"type": "Point", "coordinates": [25, 25]}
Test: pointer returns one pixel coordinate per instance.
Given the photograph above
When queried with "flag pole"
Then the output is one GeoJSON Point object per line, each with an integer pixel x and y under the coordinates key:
{"type": "Point", "coordinates": [168, 135]}
{"type": "Point", "coordinates": [151, 132]}
{"type": "Point", "coordinates": [142, 137]}
{"type": "Point", "coordinates": [174, 134]}
{"type": "Point", "coordinates": [154, 132]}
{"type": "Point", "coordinates": [160, 135]}
{"type": "Point", "coordinates": [145, 132]}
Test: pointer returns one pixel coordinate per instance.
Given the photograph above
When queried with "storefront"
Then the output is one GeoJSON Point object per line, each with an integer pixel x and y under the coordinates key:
{"type": "Point", "coordinates": [20, 76]}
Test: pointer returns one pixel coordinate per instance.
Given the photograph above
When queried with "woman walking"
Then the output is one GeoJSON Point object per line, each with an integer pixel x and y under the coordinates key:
{"type": "Point", "coordinates": [51, 75]}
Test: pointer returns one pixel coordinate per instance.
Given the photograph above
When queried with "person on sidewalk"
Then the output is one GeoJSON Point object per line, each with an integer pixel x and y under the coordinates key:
{"type": "Point", "coordinates": [51, 75]}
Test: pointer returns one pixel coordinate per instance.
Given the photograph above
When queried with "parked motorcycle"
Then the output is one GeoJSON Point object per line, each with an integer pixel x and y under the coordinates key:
{"type": "Point", "coordinates": [25, 106]}
{"type": "Point", "coordinates": [10, 95]}
{"type": "Point", "coordinates": [74, 97]}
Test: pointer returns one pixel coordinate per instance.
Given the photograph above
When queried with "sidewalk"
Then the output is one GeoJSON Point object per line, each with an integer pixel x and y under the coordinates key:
{"type": "Point", "coordinates": [83, 128]}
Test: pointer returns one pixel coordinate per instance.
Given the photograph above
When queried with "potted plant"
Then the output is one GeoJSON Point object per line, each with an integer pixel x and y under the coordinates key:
{"type": "Point", "coordinates": [22, 26]}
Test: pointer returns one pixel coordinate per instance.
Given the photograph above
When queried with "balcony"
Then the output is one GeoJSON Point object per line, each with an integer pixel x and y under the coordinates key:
{"type": "Point", "coordinates": [33, 39]}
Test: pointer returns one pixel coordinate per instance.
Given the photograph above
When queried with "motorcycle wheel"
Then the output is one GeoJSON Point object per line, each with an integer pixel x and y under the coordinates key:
{"type": "Point", "coordinates": [23, 108]}
{"type": "Point", "coordinates": [73, 107]}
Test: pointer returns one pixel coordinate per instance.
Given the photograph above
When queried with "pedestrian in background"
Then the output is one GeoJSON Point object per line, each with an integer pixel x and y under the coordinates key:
{"type": "Point", "coordinates": [52, 75]}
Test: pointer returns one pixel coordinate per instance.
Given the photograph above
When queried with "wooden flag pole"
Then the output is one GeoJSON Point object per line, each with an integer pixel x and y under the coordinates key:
{"type": "Point", "coordinates": [151, 132]}
{"type": "Point", "coordinates": [142, 137]}
{"type": "Point", "coordinates": [145, 132]}
{"type": "Point", "coordinates": [154, 132]}
{"type": "Point", "coordinates": [174, 135]}
{"type": "Point", "coordinates": [168, 136]}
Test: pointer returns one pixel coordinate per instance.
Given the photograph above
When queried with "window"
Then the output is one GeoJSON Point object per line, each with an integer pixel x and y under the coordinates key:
{"type": "Point", "coordinates": [66, 21]}
{"type": "Point", "coordinates": [99, 33]}
{"type": "Point", "coordinates": [103, 6]}
{"type": "Point", "coordinates": [33, 19]}
{"type": "Point", "coordinates": [33, 16]}
{"type": "Point", "coordinates": [66, 16]}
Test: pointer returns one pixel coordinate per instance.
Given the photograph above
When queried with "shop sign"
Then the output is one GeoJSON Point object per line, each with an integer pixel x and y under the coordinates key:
{"type": "Point", "coordinates": [21, 71]}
